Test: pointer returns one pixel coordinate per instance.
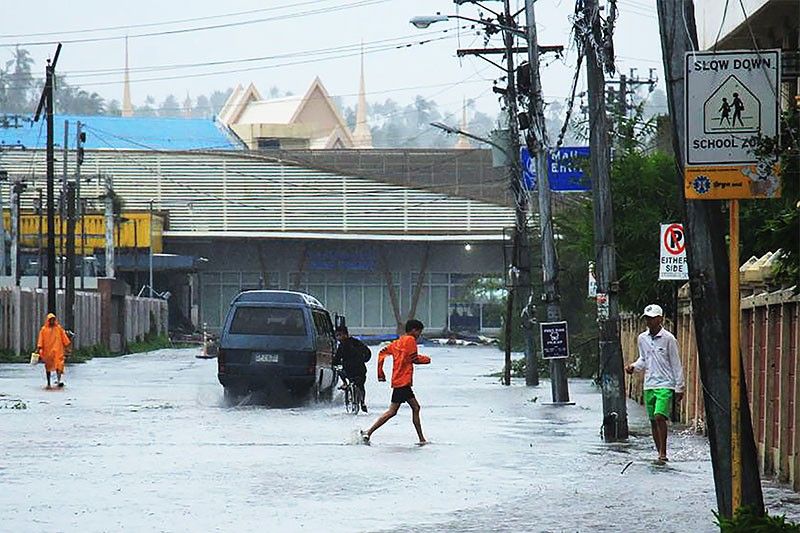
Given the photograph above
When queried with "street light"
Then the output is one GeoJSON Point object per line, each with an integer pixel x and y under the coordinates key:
{"type": "Point", "coordinates": [455, 131]}
{"type": "Point", "coordinates": [424, 21]}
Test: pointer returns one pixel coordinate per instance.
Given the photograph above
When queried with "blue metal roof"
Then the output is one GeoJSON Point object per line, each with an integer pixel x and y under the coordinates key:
{"type": "Point", "coordinates": [125, 133]}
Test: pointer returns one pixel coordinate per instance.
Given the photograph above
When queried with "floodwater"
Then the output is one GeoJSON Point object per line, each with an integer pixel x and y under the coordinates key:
{"type": "Point", "coordinates": [144, 443]}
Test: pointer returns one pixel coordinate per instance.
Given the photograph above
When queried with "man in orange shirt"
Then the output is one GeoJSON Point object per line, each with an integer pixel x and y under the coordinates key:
{"type": "Point", "coordinates": [404, 356]}
{"type": "Point", "coordinates": [52, 345]}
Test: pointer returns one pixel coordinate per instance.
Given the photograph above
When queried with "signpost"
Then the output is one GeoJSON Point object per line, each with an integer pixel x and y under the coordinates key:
{"type": "Point", "coordinates": [555, 340]}
{"type": "Point", "coordinates": [672, 264]}
{"type": "Point", "coordinates": [731, 102]}
{"type": "Point", "coordinates": [564, 169]}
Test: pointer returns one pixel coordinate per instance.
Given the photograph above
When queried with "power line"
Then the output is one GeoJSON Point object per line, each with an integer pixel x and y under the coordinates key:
{"type": "Point", "coordinates": [163, 23]}
{"type": "Point", "coordinates": [320, 11]}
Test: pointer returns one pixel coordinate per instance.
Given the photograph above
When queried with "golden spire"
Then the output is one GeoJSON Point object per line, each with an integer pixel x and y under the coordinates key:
{"type": "Point", "coordinates": [362, 137]}
{"type": "Point", "coordinates": [127, 107]}
{"type": "Point", "coordinates": [463, 142]}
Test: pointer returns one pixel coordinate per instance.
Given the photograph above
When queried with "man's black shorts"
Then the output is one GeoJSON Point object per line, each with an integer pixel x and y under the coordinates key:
{"type": "Point", "coordinates": [402, 395]}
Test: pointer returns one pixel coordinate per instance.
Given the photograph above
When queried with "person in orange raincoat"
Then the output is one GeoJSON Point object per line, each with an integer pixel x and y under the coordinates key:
{"type": "Point", "coordinates": [52, 347]}
{"type": "Point", "coordinates": [404, 356]}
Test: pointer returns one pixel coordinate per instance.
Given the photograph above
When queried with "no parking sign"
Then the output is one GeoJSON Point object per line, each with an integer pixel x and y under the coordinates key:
{"type": "Point", "coordinates": [672, 263]}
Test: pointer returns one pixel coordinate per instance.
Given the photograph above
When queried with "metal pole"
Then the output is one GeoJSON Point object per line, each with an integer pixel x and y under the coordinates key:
{"type": "Point", "coordinates": [736, 363]}
{"type": "Point", "coordinates": [69, 265]}
{"type": "Point", "coordinates": [79, 202]}
{"type": "Point", "coordinates": [63, 211]}
{"type": "Point", "coordinates": [537, 144]}
{"type": "Point", "coordinates": [151, 249]}
{"type": "Point", "coordinates": [109, 201]}
{"type": "Point", "coordinates": [15, 190]}
{"type": "Point", "coordinates": [2, 232]}
{"type": "Point", "coordinates": [40, 212]}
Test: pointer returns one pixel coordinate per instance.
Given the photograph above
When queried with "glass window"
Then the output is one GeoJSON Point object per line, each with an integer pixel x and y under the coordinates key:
{"type": "Point", "coordinates": [268, 321]}
{"type": "Point", "coordinates": [352, 308]}
{"type": "Point", "coordinates": [211, 306]}
{"type": "Point", "coordinates": [389, 319]}
{"type": "Point", "coordinates": [372, 306]}
{"type": "Point", "coordinates": [335, 299]}
{"type": "Point", "coordinates": [317, 291]}
{"type": "Point", "coordinates": [439, 307]}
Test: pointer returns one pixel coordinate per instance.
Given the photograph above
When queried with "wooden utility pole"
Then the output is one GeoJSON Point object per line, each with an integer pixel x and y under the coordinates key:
{"type": "Point", "coordinates": [537, 146]}
{"type": "Point", "coordinates": [706, 253]}
{"type": "Point", "coordinates": [612, 377]}
{"type": "Point", "coordinates": [46, 103]}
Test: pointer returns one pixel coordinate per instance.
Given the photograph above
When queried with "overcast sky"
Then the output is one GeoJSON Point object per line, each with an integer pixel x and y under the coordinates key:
{"type": "Point", "coordinates": [431, 69]}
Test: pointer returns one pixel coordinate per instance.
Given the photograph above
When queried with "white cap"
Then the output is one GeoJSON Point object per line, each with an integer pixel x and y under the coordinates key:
{"type": "Point", "coordinates": [653, 310]}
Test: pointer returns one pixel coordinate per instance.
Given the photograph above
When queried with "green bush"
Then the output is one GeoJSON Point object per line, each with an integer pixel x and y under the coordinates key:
{"type": "Point", "coordinates": [746, 520]}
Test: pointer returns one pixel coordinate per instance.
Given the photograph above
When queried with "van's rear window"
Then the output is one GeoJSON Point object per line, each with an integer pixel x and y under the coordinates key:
{"type": "Point", "coordinates": [268, 321]}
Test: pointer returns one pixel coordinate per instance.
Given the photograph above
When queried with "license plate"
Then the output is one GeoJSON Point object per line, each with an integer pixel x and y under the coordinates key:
{"type": "Point", "coordinates": [265, 358]}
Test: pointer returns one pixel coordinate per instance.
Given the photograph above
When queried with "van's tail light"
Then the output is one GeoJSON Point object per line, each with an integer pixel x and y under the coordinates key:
{"type": "Point", "coordinates": [221, 361]}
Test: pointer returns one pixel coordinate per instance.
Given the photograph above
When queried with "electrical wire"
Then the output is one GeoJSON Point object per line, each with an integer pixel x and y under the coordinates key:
{"type": "Point", "coordinates": [163, 23]}
{"type": "Point", "coordinates": [289, 16]}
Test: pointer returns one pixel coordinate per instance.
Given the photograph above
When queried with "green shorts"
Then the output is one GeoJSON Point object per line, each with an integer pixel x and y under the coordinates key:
{"type": "Point", "coordinates": [658, 402]}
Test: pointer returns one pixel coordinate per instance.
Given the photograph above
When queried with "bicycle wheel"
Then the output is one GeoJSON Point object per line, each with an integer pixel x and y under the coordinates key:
{"type": "Point", "coordinates": [358, 399]}
{"type": "Point", "coordinates": [354, 404]}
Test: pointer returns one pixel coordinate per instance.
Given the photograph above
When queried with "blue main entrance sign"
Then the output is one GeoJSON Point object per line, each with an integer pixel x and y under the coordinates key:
{"type": "Point", "coordinates": [564, 169]}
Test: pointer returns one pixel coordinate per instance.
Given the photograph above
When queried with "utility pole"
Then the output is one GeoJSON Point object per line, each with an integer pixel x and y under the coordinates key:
{"type": "Point", "coordinates": [16, 192]}
{"type": "Point", "coordinates": [707, 256]}
{"type": "Point", "coordinates": [520, 253]}
{"type": "Point", "coordinates": [39, 213]}
{"type": "Point", "coordinates": [3, 177]}
{"type": "Point", "coordinates": [537, 146]}
{"type": "Point", "coordinates": [612, 377]}
{"type": "Point", "coordinates": [69, 267]}
{"type": "Point", "coordinates": [80, 138]}
{"type": "Point", "coordinates": [109, 201]}
{"type": "Point", "coordinates": [47, 102]}
{"type": "Point", "coordinates": [150, 283]}
{"type": "Point", "coordinates": [62, 212]}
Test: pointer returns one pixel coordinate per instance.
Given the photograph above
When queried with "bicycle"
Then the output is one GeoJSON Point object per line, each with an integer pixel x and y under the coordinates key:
{"type": "Point", "coordinates": [353, 396]}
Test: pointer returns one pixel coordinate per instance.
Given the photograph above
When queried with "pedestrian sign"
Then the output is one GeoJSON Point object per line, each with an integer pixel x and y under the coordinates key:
{"type": "Point", "coordinates": [731, 103]}
{"type": "Point", "coordinates": [672, 261]}
{"type": "Point", "coordinates": [732, 108]}
{"type": "Point", "coordinates": [735, 96]}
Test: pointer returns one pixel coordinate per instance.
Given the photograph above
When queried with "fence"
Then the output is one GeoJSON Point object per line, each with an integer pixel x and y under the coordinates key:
{"type": "Point", "coordinates": [770, 331]}
{"type": "Point", "coordinates": [23, 310]}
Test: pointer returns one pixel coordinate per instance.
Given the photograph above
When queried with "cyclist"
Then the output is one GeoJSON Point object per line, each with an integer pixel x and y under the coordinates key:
{"type": "Point", "coordinates": [352, 354]}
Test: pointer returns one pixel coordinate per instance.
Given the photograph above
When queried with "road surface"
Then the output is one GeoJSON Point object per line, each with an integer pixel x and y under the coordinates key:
{"type": "Point", "coordinates": [144, 443]}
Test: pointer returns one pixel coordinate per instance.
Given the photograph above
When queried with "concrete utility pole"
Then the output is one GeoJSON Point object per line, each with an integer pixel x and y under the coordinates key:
{"type": "Point", "coordinates": [537, 146]}
{"type": "Point", "coordinates": [46, 102]}
{"type": "Point", "coordinates": [150, 282]}
{"type": "Point", "coordinates": [706, 253]}
{"type": "Point", "coordinates": [39, 213]}
{"type": "Point", "coordinates": [109, 201]}
{"type": "Point", "coordinates": [612, 377]}
{"type": "Point", "coordinates": [520, 254]}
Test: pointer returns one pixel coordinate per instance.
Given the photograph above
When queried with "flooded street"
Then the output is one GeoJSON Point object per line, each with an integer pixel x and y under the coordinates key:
{"type": "Point", "coordinates": [144, 443]}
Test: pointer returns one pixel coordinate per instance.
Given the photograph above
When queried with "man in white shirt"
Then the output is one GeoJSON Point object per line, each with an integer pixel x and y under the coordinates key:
{"type": "Point", "coordinates": [663, 375]}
